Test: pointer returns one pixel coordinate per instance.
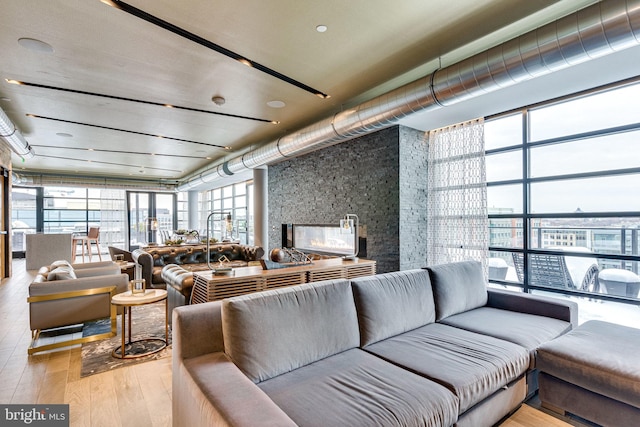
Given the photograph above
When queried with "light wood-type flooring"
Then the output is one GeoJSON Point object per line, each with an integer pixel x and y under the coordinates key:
{"type": "Point", "coordinates": [135, 396]}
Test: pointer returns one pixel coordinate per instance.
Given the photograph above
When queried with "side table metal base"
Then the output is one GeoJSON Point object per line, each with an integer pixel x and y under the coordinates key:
{"type": "Point", "coordinates": [140, 348]}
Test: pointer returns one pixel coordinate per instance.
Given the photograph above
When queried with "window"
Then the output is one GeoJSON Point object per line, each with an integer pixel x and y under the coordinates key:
{"type": "Point", "coordinates": [68, 210]}
{"type": "Point", "coordinates": [235, 199]}
{"type": "Point", "coordinates": [183, 210]}
{"type": "Point", "coordinates": [562, 183]}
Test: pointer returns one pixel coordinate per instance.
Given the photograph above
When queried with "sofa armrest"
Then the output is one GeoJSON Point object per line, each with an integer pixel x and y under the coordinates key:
{"type": "Point", "coordinates": [534, 304]}
{"type": "Point", "coordinates": [211, 390]}
{"type": "Point", "coordinates": [197, 330]}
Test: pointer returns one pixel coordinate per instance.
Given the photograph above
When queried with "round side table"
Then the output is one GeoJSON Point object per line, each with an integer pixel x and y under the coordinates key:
{"type": "Point", "coordinates": [143, 347]}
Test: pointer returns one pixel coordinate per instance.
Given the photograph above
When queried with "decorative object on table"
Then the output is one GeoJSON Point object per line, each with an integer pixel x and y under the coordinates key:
{"type": "Point", "coordinates": [119, 258]}
{"type": "Point", "coordinates": [211, 240]}
{"type": "Point", "coordinates": [285, 257]}
{"type": "Point", "coordinates": [223, 269]}
{"type": "Point", "coordinates": [138, 287]}
{"type": "Point", "coordinates": [173, 242]}
{"type": "Point", "coordinates": [349, 225]}
{"type": "Point", "coordinates": [186, 236]}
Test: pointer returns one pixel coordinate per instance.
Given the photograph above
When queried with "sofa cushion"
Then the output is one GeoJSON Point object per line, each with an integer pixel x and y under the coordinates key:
{"type": "Point", "coordinates": [273, 332]}
{"type": "Point", "coordinates": [526, 330]}
{"type": "Point", "coordinates": [598, 356]}
{"type": "Point", "coordinates": [61, 273]}
{"type": "Point", "coordinates": [392, 303]}
{"type": "Point", "coordinates": [354, 388]}
{"type": "Point", "coordinates": [473, 366]}
{"type": "Point", "coordinates": [457, 287]}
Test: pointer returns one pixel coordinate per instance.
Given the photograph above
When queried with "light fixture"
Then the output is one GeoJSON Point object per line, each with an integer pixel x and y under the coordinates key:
{"type": "Point", "coordinates": [127, 8]}
{"type": "Point", "coordinates": [229, 223]}
{"type": "Point", "coordinates": [218, 100]}
{"type": "Point", "coordinates": [349, 225]}
{"type": "Point", "coordinates": [141, 101]}
{"type": "Point", "coordinates": [12, 136]}
{"type": "Point", "coordinates": [35, 45]}
{"type": "Point", "coordinates": [224, 216]}
{"type": "Point", "coordinates": [276, 103]}
{"type": "Point", "coordinates": [321, 28]}
{"type": "Point", "coordinates": [152, 228]}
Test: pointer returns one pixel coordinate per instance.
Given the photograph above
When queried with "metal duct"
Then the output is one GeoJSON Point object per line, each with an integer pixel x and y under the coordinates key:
{"type": "Point", "coordinates": [31, 179]}
{"type": "Point", "coordinates": [12, 136]}
{"type": "Point", "coordinates": [596, 31]}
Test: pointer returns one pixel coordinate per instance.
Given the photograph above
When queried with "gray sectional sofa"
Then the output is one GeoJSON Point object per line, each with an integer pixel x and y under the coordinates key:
{"type": "Point", "coordinates": [429, 347]}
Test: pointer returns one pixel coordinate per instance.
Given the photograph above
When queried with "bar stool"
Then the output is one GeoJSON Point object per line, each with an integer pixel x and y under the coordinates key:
{"type": "Point", "coordinates": [85, 241]}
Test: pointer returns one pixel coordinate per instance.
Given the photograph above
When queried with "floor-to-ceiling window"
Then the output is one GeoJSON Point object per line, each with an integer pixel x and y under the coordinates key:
{"type": "Point", "coordinates": [562, 197]}
{"type": "Point", "coordinates": [235, 200]}
{"type": "Point", "coordinates": [151, 217]}
{"type": "Point", "coordinates": [182, 210]}
{"type": "Point", "coordinates": [67, 210]}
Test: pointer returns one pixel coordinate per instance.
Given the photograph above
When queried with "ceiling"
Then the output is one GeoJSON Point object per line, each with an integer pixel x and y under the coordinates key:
{"type": "Point", "coordinates": [96, 96]}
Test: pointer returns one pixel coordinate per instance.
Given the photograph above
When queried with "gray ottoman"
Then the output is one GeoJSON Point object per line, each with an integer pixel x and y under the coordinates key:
{"type": "Point", "coordinates": [593, 372]}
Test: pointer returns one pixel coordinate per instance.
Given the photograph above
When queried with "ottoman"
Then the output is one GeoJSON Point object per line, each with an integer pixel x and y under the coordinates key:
{"type": "Point", "coordinates": [593, 372]}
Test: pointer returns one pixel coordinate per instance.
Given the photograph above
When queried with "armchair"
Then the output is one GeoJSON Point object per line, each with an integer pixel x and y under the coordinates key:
{"type": "Point", "coordinates": [57, 300]}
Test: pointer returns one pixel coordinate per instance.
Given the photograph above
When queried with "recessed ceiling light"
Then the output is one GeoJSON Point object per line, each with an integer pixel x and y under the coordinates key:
{"type": "Point", "coordinates": [35, 45]}
{"type": "Point", "coordinates": [64, 134]}
{"type": "Point", "coordinates": [321, 28]}
{"type": "Point", "coordinates": [276, 103]}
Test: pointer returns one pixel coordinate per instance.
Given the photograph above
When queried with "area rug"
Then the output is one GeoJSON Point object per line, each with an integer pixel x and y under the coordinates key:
{"type": "Point", "coordinates": [147, 321]}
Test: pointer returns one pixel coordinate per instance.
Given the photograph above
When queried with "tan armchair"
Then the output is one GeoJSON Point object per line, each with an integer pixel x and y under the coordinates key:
{"type": "Point", "coordinates": [62, 298]}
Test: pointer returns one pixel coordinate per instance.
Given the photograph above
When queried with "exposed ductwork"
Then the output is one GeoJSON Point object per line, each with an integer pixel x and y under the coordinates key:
{"type": "Point", "coordinates": [34, 179]}
{"type": "Point", "coordinates": [596, 31]}
{"type": "Point", "coordinates": [12, 136]}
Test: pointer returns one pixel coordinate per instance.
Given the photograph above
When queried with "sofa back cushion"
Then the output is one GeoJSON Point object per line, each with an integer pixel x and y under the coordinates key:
{"type": "Point", "coordinates": [392, 303]}
{"type": "Point", "coordinates": [458, 287]}
{"type": "Point", "coordinates": [273, 332]}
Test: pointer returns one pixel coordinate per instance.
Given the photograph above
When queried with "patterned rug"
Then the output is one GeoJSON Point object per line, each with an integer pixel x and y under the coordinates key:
{"type": "Point", "coordinates": [147, 321]}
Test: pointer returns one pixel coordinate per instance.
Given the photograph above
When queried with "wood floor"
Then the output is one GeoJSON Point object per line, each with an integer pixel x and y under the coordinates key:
{"type": "Point", "coordinates": [138, 396]}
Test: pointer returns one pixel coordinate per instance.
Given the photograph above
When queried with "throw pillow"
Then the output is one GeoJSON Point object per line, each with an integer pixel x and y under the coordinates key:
{"type": "Point", "coordinates": [61, 273]}
{"type": "Point", "coordinates": [60, 263]}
